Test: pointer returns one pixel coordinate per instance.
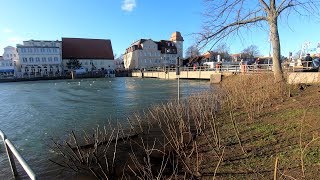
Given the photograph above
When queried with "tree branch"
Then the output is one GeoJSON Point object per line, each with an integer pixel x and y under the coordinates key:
{"type": "Point", "coordinates": [237, 23]}
{"type": "Point", "coordinates": [279, 11]}
{"type": "Point", "coordinates": [265, 6]}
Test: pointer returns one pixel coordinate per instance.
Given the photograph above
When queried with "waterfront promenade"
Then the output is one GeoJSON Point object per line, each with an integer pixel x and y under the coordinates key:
{"type": "Point", "coordinates": [215, 74]}
{"type": "Point", "coordinates": [202, 72]}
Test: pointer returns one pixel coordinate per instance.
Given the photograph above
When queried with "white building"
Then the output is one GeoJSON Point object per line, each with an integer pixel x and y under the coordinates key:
{"type": "Point", "coordinates": [40, 58]}
{"type": "Point", "coordinates": [146, 53]}
{"type": "Point", "coordinates": [119, 65]}
{"type": "Point", "coordinates": [91, 54]}
{"type": "Point", "coordinates": [9, 61]}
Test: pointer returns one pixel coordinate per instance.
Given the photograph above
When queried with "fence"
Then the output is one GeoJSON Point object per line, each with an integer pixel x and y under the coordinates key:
{"type": "Point", "coordinates": [219, 68]}
{"type": "Point", "coordinates": [11, 150]}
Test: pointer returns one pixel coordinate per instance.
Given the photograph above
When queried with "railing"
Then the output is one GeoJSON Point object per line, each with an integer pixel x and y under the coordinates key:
{"type": "Point", "coordinates": [11, 150]}
{"type": "Point", "coordinates": [221, 68]}
{"type": "Point", "coordinates": [294, 67]}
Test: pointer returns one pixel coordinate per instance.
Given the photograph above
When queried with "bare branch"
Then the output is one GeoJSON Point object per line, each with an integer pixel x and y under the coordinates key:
{"type": "Point", "coordinates": [237, 23]}
{"type": "Point", "coordinates": [265, 6]}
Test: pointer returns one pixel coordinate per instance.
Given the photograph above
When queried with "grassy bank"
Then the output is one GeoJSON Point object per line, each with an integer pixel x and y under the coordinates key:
{"type": "Point", "coordinates": [248, 128]}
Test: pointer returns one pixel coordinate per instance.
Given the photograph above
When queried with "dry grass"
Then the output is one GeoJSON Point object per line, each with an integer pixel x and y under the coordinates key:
{"type": "Point", "coordinates": [229, 133]}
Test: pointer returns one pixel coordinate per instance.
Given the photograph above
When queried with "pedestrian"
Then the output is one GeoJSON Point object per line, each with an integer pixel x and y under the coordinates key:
{"type": "Point", "coordinates": [307, 61]}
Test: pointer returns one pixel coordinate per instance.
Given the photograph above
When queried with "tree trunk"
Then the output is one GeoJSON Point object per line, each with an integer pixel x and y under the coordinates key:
{"type": "Point", "coordinates": [275, 40]}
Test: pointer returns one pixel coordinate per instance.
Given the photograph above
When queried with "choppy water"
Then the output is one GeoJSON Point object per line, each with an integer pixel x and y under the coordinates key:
{"type": "Point", "coordinates": [33, 112]}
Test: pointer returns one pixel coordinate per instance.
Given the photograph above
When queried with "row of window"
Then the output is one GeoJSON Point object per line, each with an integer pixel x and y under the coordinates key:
{"type": "Point", "coordinates": [37, 59]}
{"type": "Point", "coordinates": [36, 50]}
{"type": "Point", "coordinates": [156, 61]}
{"type": "Point", "coordinates": [157, 53]}
{"type": "Point", "coordinates": [11, 55]}
{"type": "Point", "coordinates": [93, 63]}
{"type": "Point", "coordinates": [6, 64]}
{"type": "Point", "coordinates": [44, 67]}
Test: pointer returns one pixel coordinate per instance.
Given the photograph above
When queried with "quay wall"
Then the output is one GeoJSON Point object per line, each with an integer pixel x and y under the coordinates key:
{"type": "Point", "coordinates": [303, 77]}
{"type": "Point", "coordinates": [205, 75]}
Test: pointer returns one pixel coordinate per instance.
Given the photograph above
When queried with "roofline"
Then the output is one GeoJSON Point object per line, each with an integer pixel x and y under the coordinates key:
{"type": "Point", "coordinates": [23, 46]}
{"type": "Point", "coordinates": [85, 38]}
{"type": "Point", "coordinates": [87, 58]}
{"type": "Point", "coordinates": [42, 40]}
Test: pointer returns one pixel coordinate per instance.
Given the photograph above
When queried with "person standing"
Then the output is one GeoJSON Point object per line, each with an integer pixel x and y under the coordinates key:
{"type": "Point", "coordinates": [307, 61]}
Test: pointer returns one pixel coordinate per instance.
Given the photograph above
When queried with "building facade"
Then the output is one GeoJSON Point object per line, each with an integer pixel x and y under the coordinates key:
{"type": "Point", "coordinates": [90, 54]}
{"type": "Point", "coordinates": [40, 58]}
{"type": "Point", "coordinates": [9, 62]}
{"type": "Point", "coordinates": [146, 53]}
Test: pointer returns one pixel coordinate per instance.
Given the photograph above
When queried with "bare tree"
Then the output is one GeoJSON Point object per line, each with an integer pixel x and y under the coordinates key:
{"type": "Point", "coordinates": [251, 51]}
{"type": "Point", "coordinates": [226, 17]}
{"type": "Point", "coordinates": [223, 50]}
{"type": "Point", "coordinates": [192, 51]}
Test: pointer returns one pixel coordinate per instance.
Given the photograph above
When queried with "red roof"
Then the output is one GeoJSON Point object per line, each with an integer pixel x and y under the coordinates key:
{"type": "Point", "coordinates": [79, 48]}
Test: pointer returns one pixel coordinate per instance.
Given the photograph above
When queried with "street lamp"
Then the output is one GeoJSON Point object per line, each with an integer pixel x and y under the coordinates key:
{"type": "Point", "coordinates": [178, 75]}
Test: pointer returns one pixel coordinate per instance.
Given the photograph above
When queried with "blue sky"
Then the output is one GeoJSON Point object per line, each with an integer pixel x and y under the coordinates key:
{"type": "Point", "coordinates": [124, 21]}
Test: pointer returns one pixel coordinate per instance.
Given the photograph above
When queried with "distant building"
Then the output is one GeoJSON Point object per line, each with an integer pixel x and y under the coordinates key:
{"type": "Point", "coordinates": [119, 65]}
{"type": "Point", "coordinates": [91, 54]}
{"type": "Point", "coordinates": [9, 61]}
{"type": "Point", "coordinates": [40, 58]}
{"type": "Point", "coordinates": [146, 53]}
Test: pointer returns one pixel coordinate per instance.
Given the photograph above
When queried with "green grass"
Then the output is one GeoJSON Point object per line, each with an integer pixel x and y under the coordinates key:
{"type": "Point", "coordinates": [312, 156]}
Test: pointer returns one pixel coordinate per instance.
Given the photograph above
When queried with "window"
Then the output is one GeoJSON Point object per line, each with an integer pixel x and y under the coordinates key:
{"type": "Point", "coordinates": [42, 49]}
{"type": "Point", "coordinates": [44, 59]}
{"type": "Point", "coordinates": [56, 59]}
{"type": "Point", "coordinates": [49, 59]}
{"type": "Point", "coordinates": [24, 60]}
{"type": "Point", "coordinates": [37, 59]}
{"type": "Point", "coordinates": [30, 50]}
{"type": "Point", "coordinates": [35, 49]}
{"type": "Point", "coordinates": [31, 60]}
{"type": "Point", "coordinates": [49, 50]}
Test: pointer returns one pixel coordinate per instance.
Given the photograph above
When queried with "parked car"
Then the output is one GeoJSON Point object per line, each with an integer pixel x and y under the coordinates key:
{"type": "Point", "coordinates": [81, 70]}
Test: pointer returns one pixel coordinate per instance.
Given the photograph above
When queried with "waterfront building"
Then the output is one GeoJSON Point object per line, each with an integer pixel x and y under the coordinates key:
{"type": "Point", "coordinates": [40, 58]}
{"type": "Point", "coordinates": [8, 62]}
{"type": "Point", "coordinates": [145, 53]}
{"type": "Point", "coordinates": [119, 65]}
{"type": "Point", "coordinates": [89, 54]}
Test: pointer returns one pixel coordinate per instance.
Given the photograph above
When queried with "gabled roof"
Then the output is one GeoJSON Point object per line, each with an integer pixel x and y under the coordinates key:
{"type": "Point", "coordinates": [80, 48]}
{"type": "Point", "coordinates": [139, 42]}
{"type": "Point", "coordinates": [167, 47]}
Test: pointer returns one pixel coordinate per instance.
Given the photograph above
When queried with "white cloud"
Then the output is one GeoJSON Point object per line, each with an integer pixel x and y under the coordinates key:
{"type": "Point", "coordinates": [128, 5]}
{"type": "Point", "coordinates": [7, 30]}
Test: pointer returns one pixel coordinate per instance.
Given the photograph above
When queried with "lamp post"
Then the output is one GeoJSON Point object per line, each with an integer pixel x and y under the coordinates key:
{"type": "Point", "coordinates": [178, 75]}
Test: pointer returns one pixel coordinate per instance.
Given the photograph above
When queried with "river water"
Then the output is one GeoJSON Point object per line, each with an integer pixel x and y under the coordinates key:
{"type": "Point", "coordinates": [31, 113]}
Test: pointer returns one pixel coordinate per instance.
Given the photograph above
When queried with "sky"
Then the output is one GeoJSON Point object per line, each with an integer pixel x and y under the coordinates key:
{"type": "Point", "coordinates": [125, 21]}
